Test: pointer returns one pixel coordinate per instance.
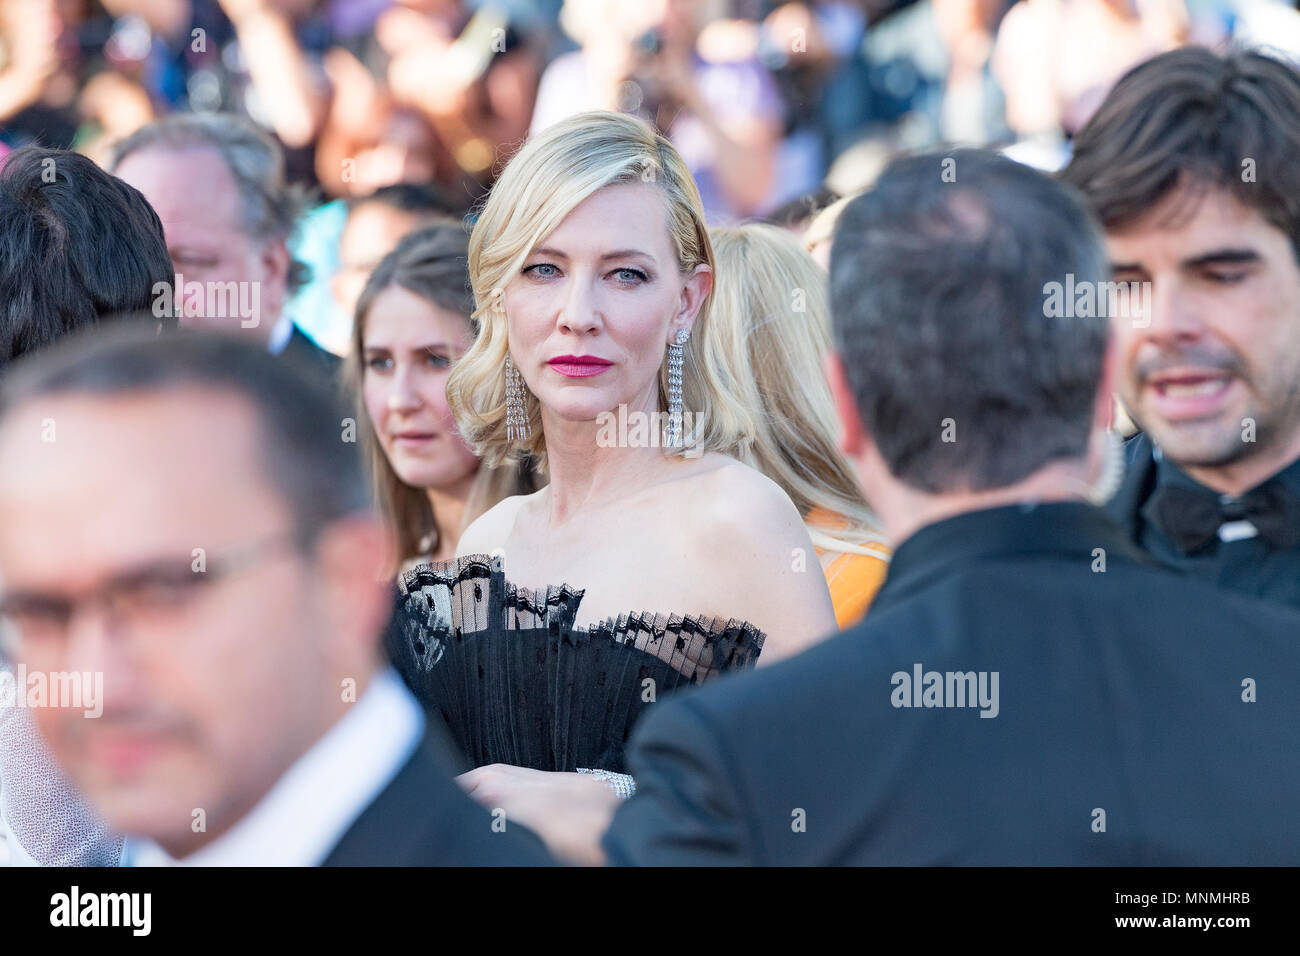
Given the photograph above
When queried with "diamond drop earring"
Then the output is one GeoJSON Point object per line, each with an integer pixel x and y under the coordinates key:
{"type": "Point", "coordinates": [518, 428]}
{"type": "Point", "coordinates": [673, 438]}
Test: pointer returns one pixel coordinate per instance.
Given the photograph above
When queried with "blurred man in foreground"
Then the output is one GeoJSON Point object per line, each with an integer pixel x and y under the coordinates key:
{"type": "Point", "coordinates": [185, 516]}
{"type": "Point", "coordinates": [78, 247]}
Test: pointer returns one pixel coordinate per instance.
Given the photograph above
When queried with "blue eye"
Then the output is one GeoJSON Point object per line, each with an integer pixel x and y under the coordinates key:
{"type": "Point", "coordinates": [631, 275]}
{"type": "Point", "coordinates": [379, 363]}
{"type": "Point", "coordinates": [535, 270]}
{"type": "Point", "coordinates": [438, 360]}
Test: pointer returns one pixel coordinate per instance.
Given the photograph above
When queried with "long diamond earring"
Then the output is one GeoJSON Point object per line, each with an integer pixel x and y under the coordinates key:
{"type": "Point", "coordinates": [673, 438]}
{"type": "Point", "coordinates": [518, 427]}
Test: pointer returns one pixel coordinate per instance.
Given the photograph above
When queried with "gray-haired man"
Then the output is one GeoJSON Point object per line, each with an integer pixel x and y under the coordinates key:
{"type": "Point", "coordinates": [218, 184]}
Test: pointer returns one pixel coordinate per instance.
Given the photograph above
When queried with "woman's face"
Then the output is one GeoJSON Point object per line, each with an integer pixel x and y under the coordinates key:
{"type": "Point", "coordinates": [409, 346]}
{"type": "Point", "coordinates": [597, 303]}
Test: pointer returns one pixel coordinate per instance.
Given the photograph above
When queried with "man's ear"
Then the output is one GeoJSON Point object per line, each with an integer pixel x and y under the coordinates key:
{"type": "Point", "coordinates": [354, 558]}
{"type": "Point", "coordinates": [275, 260]}
{"type": "Point", "coordinates": [853, 438]}
{"type": "Point", "coordinates": [695, 290]}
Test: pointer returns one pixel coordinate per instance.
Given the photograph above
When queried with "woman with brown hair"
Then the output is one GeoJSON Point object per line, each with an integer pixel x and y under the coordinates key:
{"type": "Point", "coordinates": [412, 322]}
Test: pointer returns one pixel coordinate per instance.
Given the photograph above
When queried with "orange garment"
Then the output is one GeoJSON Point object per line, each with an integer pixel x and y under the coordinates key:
{"type": "Point", "coordinates": [853, 579]}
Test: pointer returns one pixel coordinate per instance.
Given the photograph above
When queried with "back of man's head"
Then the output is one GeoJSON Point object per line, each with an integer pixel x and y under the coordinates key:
{"type": "Point", "coordinates": [964, 377]}
{"type": "Point", "coordinates": [76, 246]}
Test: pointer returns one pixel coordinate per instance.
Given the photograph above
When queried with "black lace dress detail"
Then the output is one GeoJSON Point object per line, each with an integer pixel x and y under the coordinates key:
{"type": "Point", "coordinates": [518, 683]}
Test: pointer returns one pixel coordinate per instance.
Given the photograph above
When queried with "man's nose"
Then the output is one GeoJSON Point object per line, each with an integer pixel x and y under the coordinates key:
{"type": "Point", "coordinates": [1172, 313]}
{"type": "Point", "coordinates": [98, 644]}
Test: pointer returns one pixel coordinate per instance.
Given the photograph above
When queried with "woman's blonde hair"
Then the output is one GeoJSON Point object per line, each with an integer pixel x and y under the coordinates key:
{"type": "Point", "coordinates": [771, 315]}
{"type": "Point", "coordinates": [822, 227]}
{"type": "Point", "coordinates": [545, 181]}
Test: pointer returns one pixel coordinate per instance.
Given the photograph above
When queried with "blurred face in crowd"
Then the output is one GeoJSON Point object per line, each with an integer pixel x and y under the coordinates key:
{"type": "Point", "coordinates": [220, 666]}
{"type": "Point", "coordinates": [597, 303]}
{"type": "Point", "coordinates": [409, 347]}
{"type": "Point", "coordinates": [405, 152]}
{"type": "Point", "coordinates": [372, 231]}
{"type": "Point", "coordinates": [1222, 347]}
{"type": "Point", "coordinates": [198, 201]}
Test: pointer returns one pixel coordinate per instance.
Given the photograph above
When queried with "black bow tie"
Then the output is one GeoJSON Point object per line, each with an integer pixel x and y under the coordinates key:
{"type": "Point", "coordinates": [1190, 517]}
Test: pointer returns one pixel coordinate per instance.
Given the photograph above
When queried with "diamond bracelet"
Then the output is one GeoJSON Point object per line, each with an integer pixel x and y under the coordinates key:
{"type": "Point", "coordinates": [622, 785]}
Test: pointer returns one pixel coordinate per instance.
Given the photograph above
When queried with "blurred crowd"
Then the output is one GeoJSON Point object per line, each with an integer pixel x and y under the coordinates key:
{"type": "Point", "coordinates": [587, 350]}
{"type": "Point", "coordinates": [777, 108]}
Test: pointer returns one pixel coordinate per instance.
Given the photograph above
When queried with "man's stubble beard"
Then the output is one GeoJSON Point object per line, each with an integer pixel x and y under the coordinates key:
{"type": "Point", "coordinates": [1219, 445]}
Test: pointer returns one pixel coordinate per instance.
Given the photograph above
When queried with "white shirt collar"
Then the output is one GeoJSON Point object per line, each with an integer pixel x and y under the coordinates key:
{"type": "Point", "coordinates": [320, 796]}
{"type": "Point", "coordinates": [281, 333]}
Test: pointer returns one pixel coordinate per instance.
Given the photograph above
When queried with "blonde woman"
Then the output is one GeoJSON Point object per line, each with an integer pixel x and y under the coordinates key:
{"type": "Point", "coordinates": [412, 322]}
{"type": "Point", "coordinates": [772, 315]}
{"type": "Point", "coordinates": [817, 237]}
{"type": "Point", "coordinates": [640, 567]}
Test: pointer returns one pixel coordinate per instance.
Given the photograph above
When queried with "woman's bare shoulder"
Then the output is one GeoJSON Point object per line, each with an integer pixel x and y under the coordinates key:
{"type": "Point", "coordinates": [731, 494]}
{"type": "Point", "coordinates": [749, 541]}
{"type": "Point", "coordinates": [492, 529]}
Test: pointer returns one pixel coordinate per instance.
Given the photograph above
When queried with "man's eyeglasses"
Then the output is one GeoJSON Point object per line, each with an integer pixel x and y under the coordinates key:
{"type": "Point", "coordinates": [145, 600]}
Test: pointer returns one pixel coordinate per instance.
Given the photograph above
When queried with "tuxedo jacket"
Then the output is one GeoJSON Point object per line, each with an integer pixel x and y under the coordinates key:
{"type": "Point", "coordinates": [1249, 566]}
{"type": "Point", "coordinates": [1138, 717]}
{"type": "Point", "coordinates": [422, 818]}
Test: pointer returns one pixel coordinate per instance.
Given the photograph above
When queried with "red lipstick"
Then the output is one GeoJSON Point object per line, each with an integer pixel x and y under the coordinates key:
{"type": "Point", "coordinates": [579, 366]}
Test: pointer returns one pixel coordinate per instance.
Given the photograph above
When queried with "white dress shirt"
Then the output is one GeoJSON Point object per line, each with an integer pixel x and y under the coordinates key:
{"type": "Point", "coordinates": [309, 809]}
{"type": "Point", "coordinates": [281, 333]}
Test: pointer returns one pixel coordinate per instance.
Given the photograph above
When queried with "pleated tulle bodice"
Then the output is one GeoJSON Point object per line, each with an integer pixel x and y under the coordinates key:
{"type": "Point", "coordinates": [518, 682]}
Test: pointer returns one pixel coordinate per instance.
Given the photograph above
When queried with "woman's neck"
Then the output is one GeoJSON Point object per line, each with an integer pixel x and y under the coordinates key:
{"type": "Point", "coordinates": [587, 470]}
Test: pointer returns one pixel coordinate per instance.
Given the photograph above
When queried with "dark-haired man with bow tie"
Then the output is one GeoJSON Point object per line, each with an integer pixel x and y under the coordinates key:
{"type": "Point", "coordinates": [1190, 164]}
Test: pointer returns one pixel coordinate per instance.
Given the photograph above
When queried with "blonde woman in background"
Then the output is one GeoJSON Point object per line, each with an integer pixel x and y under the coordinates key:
{"type": "Point", "coordinates": [649, 562]}
{"type": "Point", "coordinates": [817, 237]}
{"type": "Point", "coordinates": [771, 311]}
{"type": "Point", "coordinates": [412, 322]}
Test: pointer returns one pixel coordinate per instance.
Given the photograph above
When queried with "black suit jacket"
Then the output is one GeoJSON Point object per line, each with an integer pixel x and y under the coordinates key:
{"type": "Point", "coordinates": [422, 818]}
{"type": "Point", "coordinates": [1250, 566]}
{"type": "Point", "coordinates": [310, 355]}
{"type": "Point", "coordinates": [1120, 704]}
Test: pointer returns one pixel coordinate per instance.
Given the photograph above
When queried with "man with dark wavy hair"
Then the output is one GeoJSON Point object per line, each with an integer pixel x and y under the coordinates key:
{"type": "Point", "coordinates": [77, 247]}
{"type": "Point", "coordinates": [1191, 163]}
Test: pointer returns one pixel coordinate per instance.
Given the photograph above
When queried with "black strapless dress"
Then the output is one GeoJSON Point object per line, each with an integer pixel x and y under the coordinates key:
{"type": "Point", "coordinates": [518, 683]}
